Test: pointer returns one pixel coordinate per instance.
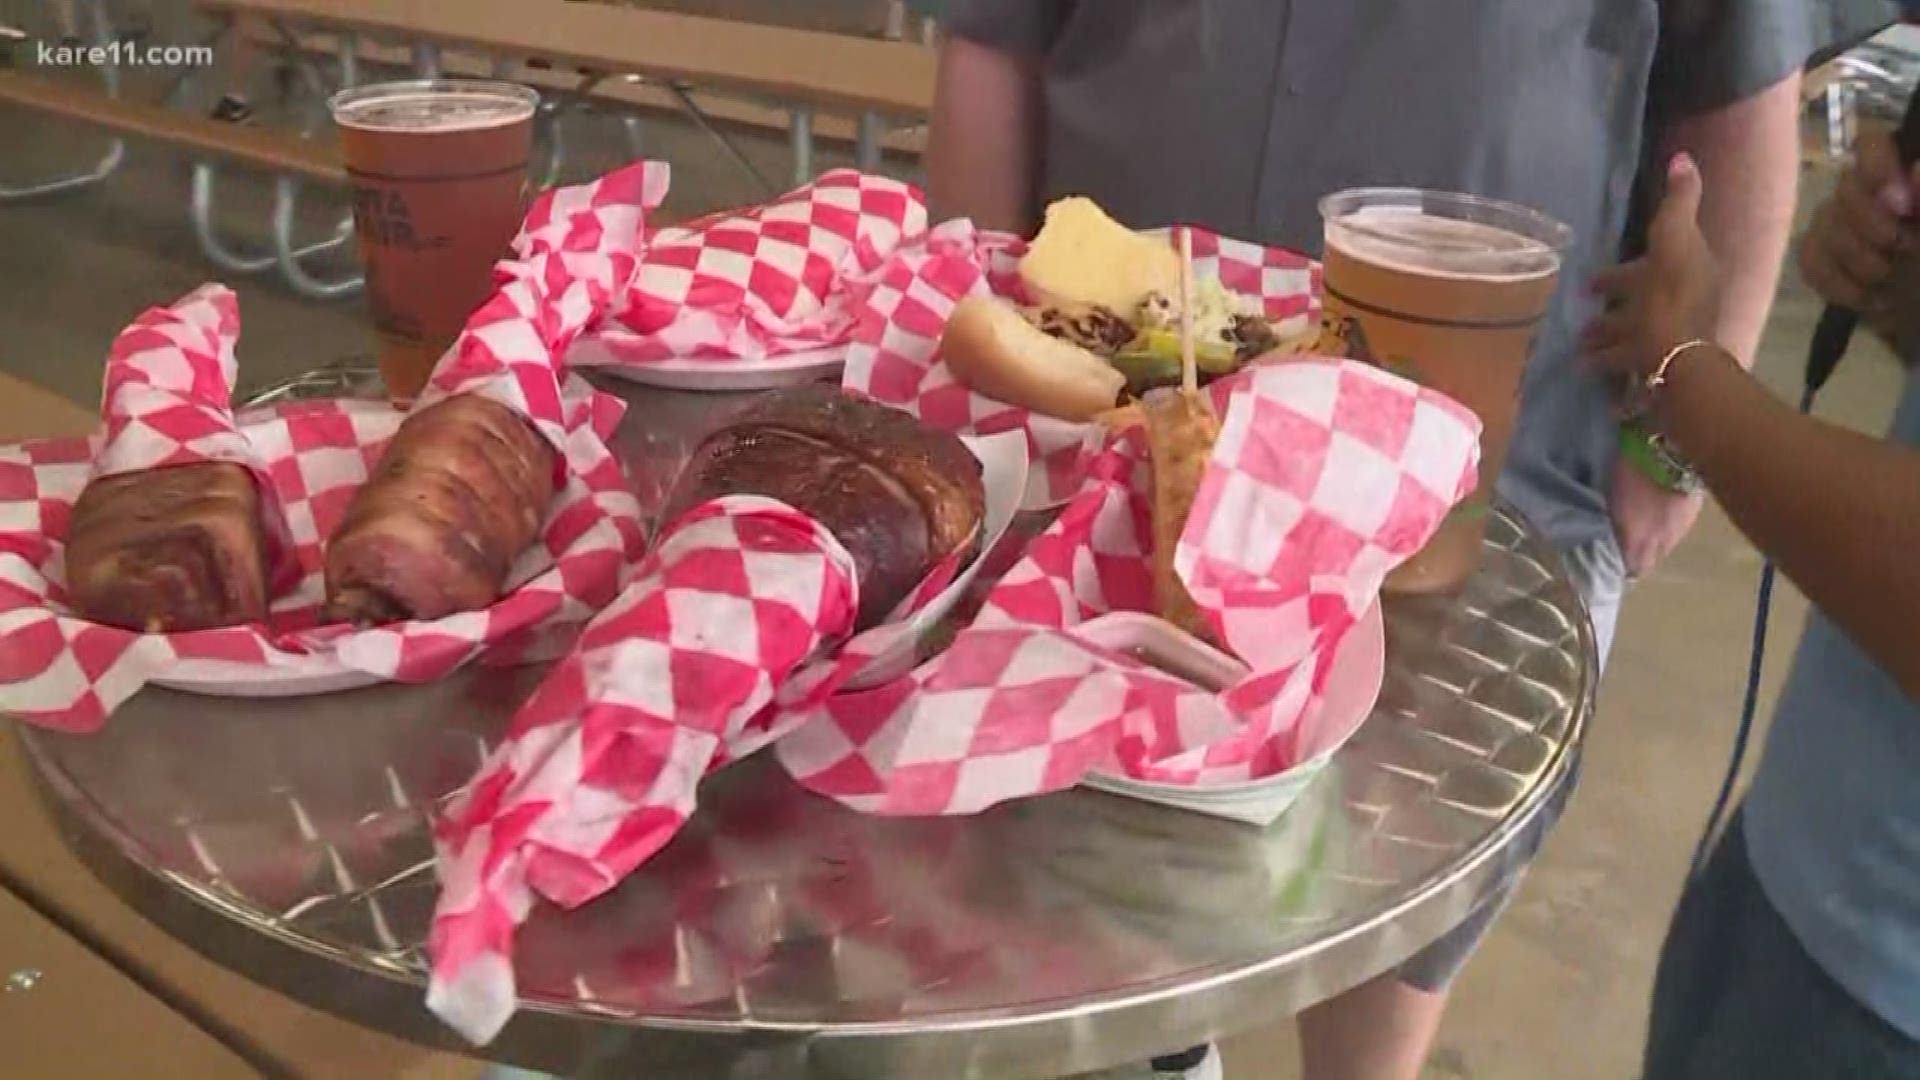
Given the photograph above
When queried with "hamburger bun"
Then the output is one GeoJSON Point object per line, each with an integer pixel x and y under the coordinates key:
{"type": "Point", "coordinates": [1083, 256]}
{"type": "Point", "coordinates": [993, 350]}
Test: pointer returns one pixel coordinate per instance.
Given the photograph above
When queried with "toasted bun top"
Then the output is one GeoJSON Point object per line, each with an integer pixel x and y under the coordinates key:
{"type": "Point", "coordinates": [1083, 255]}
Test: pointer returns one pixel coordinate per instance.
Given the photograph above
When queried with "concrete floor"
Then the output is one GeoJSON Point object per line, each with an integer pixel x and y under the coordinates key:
{"type": "Point", "coordinates": [1559, 989]}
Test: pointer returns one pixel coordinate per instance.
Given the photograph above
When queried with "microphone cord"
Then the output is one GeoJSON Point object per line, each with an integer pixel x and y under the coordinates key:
{"type": "Point", "coordinates": [1756, 662]}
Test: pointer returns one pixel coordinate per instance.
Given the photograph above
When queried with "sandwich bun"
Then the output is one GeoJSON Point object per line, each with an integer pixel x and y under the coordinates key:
{"type": "Point", "coordinates": [993, 350]}
{"type": "Point", "coordinates": [1082, 255]}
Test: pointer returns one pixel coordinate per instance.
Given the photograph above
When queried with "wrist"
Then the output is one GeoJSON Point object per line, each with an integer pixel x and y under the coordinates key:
{"type": "Point", "coordinates": [1688, 408]}
{"type": "Point", "coordinates": [1650, 454]}
{"type": "Point", "coordinates": [1673, 358]}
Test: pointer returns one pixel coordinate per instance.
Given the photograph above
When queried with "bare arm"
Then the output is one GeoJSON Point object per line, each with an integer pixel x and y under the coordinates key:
{"type": "Point", "coordinates": [983, 149]}
{"type": "Point", "coordinates": [1837, 511]}
{"type": "Point", "coordinates": [1749, 156]}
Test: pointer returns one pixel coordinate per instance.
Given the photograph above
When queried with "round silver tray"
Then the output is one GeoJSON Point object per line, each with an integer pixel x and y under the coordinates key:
{"type": "Point", "coordinates": [783, 936]}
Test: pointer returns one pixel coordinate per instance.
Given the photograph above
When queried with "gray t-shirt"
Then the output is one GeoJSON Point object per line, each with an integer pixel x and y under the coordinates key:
{"type": "Point", "coordinates": [1833, 820]}
{"type": "Point", "coordinates": [1242, 114]}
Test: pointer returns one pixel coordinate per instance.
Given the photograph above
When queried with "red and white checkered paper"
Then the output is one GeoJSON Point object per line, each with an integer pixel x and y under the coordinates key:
{"type": "Point", "coordinates": [724, 643]}
{"type": "Point", "coordinates": [1327, 474]}
{"type": "Point", "coordinates": [742, 286]}
{"type": "Point", "coordinates": [732, 632]}
{"type": "Point", "coordinates": [600, 767]}
{"type": "Point", "coordinates": [894, 354]}
{"type": "Point", "coordinates": [169, 379]}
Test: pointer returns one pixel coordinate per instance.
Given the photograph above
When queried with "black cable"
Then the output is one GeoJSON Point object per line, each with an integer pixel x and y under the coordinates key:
{"type": "Point", "coordinates": [1749, 706]}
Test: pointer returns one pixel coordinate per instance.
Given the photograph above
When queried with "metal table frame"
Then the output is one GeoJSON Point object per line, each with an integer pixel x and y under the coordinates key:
{"type": "Point", "coordinates": [285, 253]}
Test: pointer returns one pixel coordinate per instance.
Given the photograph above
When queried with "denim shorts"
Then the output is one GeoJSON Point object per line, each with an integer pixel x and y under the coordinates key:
{"type": "Point", "coordinates": [1738, 998]}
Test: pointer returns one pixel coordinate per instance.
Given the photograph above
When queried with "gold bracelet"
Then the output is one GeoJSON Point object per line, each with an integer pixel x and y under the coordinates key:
{"type": "Point", "coordinates": [1659, 377]}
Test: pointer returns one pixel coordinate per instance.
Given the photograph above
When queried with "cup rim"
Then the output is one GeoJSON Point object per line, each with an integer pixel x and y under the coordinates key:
{"type": "Point", "coordinates": [1535, 225]}
{"type": "Point", "coordinates": [526, 95]}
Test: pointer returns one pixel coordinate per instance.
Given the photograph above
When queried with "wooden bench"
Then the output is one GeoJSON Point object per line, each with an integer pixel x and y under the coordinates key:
{"type": "Point", "coordinates": [643, 97]}
{"type": "Point", "coordinates": [291, 160]}
{"type": "Point", "coordinates": [245, 144]}
{"type": "Point", "coordinates": [805, 72]}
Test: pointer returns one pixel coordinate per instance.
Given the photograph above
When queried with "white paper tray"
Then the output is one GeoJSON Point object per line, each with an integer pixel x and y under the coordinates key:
{"type": "Point", "coordinates": [1353, 685]}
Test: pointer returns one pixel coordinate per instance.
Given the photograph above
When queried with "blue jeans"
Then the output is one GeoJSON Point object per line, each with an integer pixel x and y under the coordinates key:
{"type": "Point", "coordinates": [1737, 998]}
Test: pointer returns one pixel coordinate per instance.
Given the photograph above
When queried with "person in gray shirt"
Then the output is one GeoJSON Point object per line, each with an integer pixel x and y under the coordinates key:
{"type": "Point", "coordinates": [1795, 951]}
{"type": "Point", "coordinates": [1241, 114]}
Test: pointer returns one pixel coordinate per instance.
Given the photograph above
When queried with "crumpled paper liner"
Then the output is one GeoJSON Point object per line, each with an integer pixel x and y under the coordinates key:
{"type": "Point", "coordinates": [729, 634]}
{"type": "Point", "coordinates": [168, 384]}
{"type": "Point", "coordinates": [1326, 475]}
{"type": "Point", "coordinates": [746, 286]}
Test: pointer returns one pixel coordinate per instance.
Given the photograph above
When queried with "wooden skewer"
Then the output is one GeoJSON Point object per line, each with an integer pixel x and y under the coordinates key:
{"type": "Point", "coordinates": [1189, 366]}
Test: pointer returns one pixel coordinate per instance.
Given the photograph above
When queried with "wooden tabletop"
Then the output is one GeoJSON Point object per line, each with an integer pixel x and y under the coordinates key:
{"type": "Point", "coordinates": [830, 71]}
{"type": "Point", "coordinates": [69, 1012]}
{"type": "Point", "coordinates": [29, 411]}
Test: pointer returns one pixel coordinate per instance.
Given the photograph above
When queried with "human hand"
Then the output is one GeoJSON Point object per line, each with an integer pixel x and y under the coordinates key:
{"type": "Point", "coordinates": [1666, 297]}
{"type": "Point", "coordinates": [1858, 253]}
{"type": "Point", "coordinates": [1649, 521]}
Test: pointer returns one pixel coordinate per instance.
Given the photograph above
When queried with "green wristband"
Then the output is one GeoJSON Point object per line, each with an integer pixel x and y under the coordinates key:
{"type": "Point", "coordinates": [1654, 459]}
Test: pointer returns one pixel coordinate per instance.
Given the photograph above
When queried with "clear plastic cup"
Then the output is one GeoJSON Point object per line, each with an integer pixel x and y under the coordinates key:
{"type": "Point", "coordinates": [439, 172]}
{"type": "Point", "coordinates": [1447, 290]}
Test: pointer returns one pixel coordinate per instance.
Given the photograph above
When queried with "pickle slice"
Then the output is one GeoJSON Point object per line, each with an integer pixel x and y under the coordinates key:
{"type": "Point", "coordinates": [1212, 357]}
{"type": "Point", "coordinates": [1146, 370]}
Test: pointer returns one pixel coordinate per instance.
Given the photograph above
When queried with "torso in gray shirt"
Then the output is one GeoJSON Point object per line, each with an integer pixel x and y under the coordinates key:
{"type": "Point", "coordinates": [1242, 114]}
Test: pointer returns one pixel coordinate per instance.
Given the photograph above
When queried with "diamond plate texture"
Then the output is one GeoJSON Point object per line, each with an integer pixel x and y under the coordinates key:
{"type": "Point", "coordinates": [304, 820]}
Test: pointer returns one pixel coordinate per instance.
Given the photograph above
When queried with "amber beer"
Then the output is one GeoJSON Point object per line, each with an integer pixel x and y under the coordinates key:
{"type": "Point", "coordinates": [1447, 290]}
{"type": "Point", "coordinates": [439, 172]}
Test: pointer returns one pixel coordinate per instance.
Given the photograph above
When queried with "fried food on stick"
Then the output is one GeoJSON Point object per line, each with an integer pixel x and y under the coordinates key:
{"type": "Point", "coordinates": [1181, 430]}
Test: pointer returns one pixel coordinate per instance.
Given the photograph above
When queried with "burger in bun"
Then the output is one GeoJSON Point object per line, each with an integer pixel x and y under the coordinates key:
{"type": "Point", "coordinates": [1105, 329]}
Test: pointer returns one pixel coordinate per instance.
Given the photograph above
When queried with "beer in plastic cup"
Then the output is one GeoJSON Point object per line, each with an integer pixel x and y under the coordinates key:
{"type": "Point", "coordinates": [439, 171]}
{"type": "Point", "coordinates": [1446, 290]}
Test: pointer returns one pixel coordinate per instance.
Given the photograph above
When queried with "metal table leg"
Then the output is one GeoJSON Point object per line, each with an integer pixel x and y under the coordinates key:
{"type": "Point", "coordinates": [94, 18]}
{"type": "Point", "coordinates": [509, 1072]}
{"type": "Point", "coordinates": [800, 128]}
{"type": "Point", "coordinates": [705, 124]}
{"type": "Point", "coordinates": [426, 59]}
{"type": "Point", "coordinates": [1839, 102]}
{"type": "Point", "coordinates": [866, 145]}
{"type": "Point", "coordinates": [286, 196]}
{"type": "Point", "coordinates": [239, 262]}
{"type": "Point", "coordinates": [103, 168]}
{"type": "Point", "coordinates": [200, 210]}
{"type": "Point", "coordinates": [635, 130]}
{"type": "Point", "coordinates": [175, 94]}
{"type": "Point", "coordinates": [551, 131]}
{"type": "Point", "coordinates": [349, 60]}
{"type": "Point", "coordinates": [286, 192]}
